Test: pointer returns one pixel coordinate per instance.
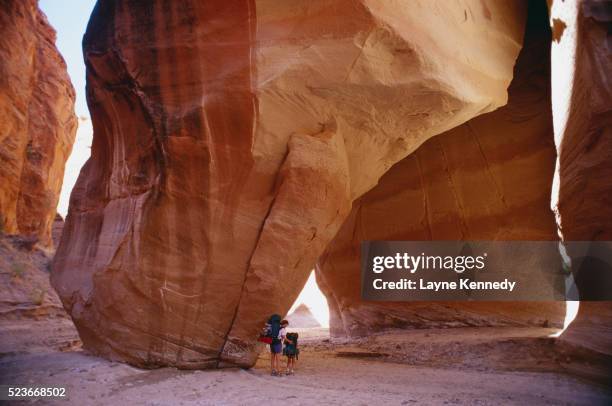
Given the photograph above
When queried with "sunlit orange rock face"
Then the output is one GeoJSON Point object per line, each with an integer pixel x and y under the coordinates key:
{"type": "Point", "coordinates": [37, 121]}
{"type": "Point", "coordinates": [230, 139]}
{"type": "Point", "coordinates": [582, 109]}
{"type": "Point", "coordinates": [488, 179]}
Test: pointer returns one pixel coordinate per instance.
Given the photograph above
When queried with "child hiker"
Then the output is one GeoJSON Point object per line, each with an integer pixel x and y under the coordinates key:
{"type": "Point", "coordinates": [291, 351]}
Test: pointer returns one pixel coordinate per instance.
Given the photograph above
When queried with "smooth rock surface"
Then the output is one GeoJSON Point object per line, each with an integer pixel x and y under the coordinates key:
{"type": "Point", "coordinates": [37, 121]}
{"type": "Point", "coordinates": [488, 179]}
{"type": "Point", "coordinates": [230, 138]}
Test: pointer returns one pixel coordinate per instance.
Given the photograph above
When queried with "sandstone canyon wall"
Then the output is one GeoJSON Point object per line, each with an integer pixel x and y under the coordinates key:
{"type": "Point", "coordinates": [37, 121]}
{"type": "Point", "coordinates": [582, 109]}
{"type": "Point", "coordinates": [230, 139]}
{"type": "Point", "coordinates": [488, 179]}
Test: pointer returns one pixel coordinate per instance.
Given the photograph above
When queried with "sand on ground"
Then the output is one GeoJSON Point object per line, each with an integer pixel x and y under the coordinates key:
{"type": "Point", "coordinates": [455, 366]}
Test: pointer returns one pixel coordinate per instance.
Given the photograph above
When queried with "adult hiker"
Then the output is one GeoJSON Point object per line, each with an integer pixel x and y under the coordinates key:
{"type": "Point", "coordinates": [274, 334]}
{"type": "Point", "coordinates": [276, 348]}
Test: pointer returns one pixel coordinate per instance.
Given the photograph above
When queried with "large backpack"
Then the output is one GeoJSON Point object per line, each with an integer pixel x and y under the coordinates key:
{"type": "Point", "coordinates": [274, 327]}
{"type": "Point", "coordinates": [292, 349]}
{"type": "Point", "coordinates": [294, 339]}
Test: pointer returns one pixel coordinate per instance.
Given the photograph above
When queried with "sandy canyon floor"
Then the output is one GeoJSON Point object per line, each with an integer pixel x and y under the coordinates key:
{"type": "Point", "coordinates": [453, 366]}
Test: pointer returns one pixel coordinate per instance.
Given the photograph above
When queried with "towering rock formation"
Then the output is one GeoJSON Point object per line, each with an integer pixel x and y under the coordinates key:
{"type": "Point", "coordinates": [488, 179]}
{"type": "Point", "coordinates": [582, 110]}
{"type": "Point", "coordinates": [37, 121]}
{"type": "Point", "coordinates": [230, 138]}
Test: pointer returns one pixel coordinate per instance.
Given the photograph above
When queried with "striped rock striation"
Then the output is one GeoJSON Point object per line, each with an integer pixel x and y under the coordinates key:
{"type": "Point", "coordinates": [37, 121]}
{"type": "Point", "coordinates": [488, 179]}
{"type": "Point", "coordinates": [230, 139]}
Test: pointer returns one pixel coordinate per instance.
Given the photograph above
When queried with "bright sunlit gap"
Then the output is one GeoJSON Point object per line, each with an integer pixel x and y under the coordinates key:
{"type": "Point", "coordinates": [571, 310]}
{"type": "Point", "coordinates": [69, 18]}
{"type": "Point", "coordinates": [81, 150]}
{"type": "Point", "coordinates": [314, 299]}
{"type": "Point", "coordinates": [563, 56]}
{"type": "Point", "coordinates": [571, 306]}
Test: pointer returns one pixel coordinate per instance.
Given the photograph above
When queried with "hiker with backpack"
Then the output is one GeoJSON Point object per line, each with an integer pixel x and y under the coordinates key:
{"type": "Point", "coordinates": [274, 334]}
{"type": "Point", "coordinates": [291, 351]}
{"type": "Point", "coordinates": [276, 348]}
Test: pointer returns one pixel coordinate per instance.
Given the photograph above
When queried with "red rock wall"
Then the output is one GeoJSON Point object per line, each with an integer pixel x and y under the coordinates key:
{"type": "Point", "coordinates": [582, 105]}
{"type": "Point", "coordinates": [230, 138]}
{"type": "Point", "coordinates": [37, 121]}
{"type": "Point", "coordinates": [582, 110]}
{"type": "Point", "coordinates": [488, 179]}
